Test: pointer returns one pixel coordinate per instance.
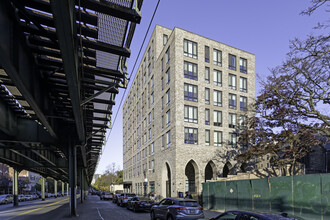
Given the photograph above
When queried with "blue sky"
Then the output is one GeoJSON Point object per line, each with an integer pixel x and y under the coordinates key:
{"type": "Point", "coordinates": [261, 27]}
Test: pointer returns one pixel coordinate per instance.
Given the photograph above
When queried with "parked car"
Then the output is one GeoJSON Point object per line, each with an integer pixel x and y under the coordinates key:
{"type": "Point", "coordinates": [21, 198]}
{"type": "Point", "coordinates": [124, 197]}
{"type": "Point", "coordinates": [106, 196]}
{"type": "Point", "coordinates": [252, 215]}
{"type": "Point", "coordinates": [35, 196]}
{"type": "Point", "coordinates": [115, 198]}
{"type": "Point", "coordinates": [172, 209]}
{"type": "Point", "coordinates": [6, 198]}
{"type": "Point", "coordinates": [136, 204]}
{"type": "Point", "coordinates": [28, 197]}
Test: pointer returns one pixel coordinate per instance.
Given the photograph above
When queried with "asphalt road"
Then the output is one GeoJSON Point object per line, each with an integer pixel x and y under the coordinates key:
{"type": "Point", "coordinates": [57, 209]}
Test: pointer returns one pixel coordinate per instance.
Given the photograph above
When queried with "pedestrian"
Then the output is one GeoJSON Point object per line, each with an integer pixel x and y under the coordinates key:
{"type": "Point", "coordinates": [188, 195]}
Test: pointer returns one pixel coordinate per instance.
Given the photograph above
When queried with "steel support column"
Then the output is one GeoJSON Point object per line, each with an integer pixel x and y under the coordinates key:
{"type": "Point", "coordinates": [55, 188]}
{"type": "Point", "coordinates": [42, 188]}
{"type": "Point", "coordinates": [62, 192]}
{"type": "Point", "coordinates": [86, 188]}
{"type": "Point", "coordinates": [15, 187]}
{"type": "Point", "coordinates": [82, 186]}
{"type": "Point", "coordinates": [73, 179]}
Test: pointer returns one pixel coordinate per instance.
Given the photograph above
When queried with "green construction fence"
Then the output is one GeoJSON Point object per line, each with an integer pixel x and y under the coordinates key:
{"type": "Point", "coordinates": [304, 196]}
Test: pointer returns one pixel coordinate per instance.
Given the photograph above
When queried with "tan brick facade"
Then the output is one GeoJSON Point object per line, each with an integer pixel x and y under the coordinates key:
{"type": "Point", "coordinates": [181, 159]}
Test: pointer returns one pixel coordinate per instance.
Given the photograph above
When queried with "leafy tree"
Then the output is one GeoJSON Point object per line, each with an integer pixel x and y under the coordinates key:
{"type": "Point", "coordinates": [292, 111]}
{"type": "Point", "coordinates": [119, 177]}
{"type": "Point", "coordinates": [110, 176]}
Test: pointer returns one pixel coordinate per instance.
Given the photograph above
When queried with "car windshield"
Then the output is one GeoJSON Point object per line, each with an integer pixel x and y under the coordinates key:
{"type": "Point", "coordinates": [130, 195]}
{"type": "Point", "coordinates": [188, 203]}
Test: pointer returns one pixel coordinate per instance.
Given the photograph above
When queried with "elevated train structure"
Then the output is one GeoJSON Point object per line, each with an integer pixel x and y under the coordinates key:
{"type": "Point", "coordinates": [61, 65]}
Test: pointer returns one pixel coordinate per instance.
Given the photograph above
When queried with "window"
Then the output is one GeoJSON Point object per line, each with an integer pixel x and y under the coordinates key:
{"type": "Point", "coordinates": [243, 84]}
{"type": "Point", "coordinates": [145, 137]}
{"type": "Point", "coordinates": [152, 82]}
{"type": "Point", "coordinates": [162, 79]}
{"type": "Point", "coordinates": [207, 137]}
{"type": "Point", "coordinates": [207, 116]}
{"type": "Point", "coordinates": [144, 79]}
{"type": "Point", "coordinates": [207, 54]}
{"type": "Point", "coordinates": [243, 65]}
{"type": "Point", "coordinates": [217, 138]}
{"type": "Point", "coordinates": [149, 70]}
{"type": "Point", "coordinates": [165, 39]}
{"type": "Point", "coordinates": [168, 100]}
{"type": "Point", "coordinates": [190, 135]}
{"type": "Point", "coordinates": [152, 98]}
{"type": "Point", "coordinates": [168, 118]}
{"type": "Point", "coordinates": [163, 141]}
{"type": "Point", "coordinates": [150, 134]}
{"type": "Point", "coordinates": [168, 138]}
{"type": "Point", "coordinates": [217, 118]}
{"type": "Point", "coordinates": [144, 64]}
{"type": "Point", "coordinates": [190, 92]}
{"type": "Point", "coordinates": [142, 111]}
{"type": "Point", "coordinates": [162, 103]}
{"type": "Point", "coordinates": [162, 61]}
{"type": "Point", "coordinates": [242, 122]}
{"type": "Point", "coordinates": [190, 114]}
{"type": "Point", "coordinates": [217, 98]}
{"type": "Point", "coordinates": [217, 57]}
{"type": "Point", "coordinates": [167, 56]}
{"type": "Point", "coordinates": [232, 101]}
{"type": "Point", "coordinates": [168, 76]}
{"type": "Point", "coordinates": [149, 53]}
{"type": "Point", "coordinates": [232, 120]}
{"type": "Point", "coordinates": [152, 148]}
{"type": "Point", "coordinates": [207, 96]}
{"type": "Point", "coordinates": [207, 75]}
{"type": "Point", "coordinates": [153, 168]}
{"type": "Point", "coordinates": [190, 70]}
{"type": "Point", "coordinates": [232, 81]}
{"type": "Point", "coordinates": [162, 121]}
{"type": "Point", "coordinates": [232, 140]}
{"type": "Point", "coordinates": [243, 103]}
{"type": "Point", "coordinates": [217, 77]}
{"type": "Point", "coordinates": [190, 48]}
{"type": "Point", "coordinates": [149, 117]}
{"type": "Point", "coordinates": [232, 62]}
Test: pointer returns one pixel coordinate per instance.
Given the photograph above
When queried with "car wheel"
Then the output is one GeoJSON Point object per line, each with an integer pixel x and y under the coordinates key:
{"type": "Point", "coordinates": [134, 209]}
{"type": "Point", "coordinates": [152, 215]}
{"type": "Point", "coordinates": [127, 207]}
{"type": "Point", "coordinates": [169, 217]}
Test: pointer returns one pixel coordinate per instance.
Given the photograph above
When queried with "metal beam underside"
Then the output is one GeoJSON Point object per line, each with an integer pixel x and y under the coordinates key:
{"type": "Point", "coordinates": [19, 64]}
{"type": "Point", "coordinates": [65, 29]}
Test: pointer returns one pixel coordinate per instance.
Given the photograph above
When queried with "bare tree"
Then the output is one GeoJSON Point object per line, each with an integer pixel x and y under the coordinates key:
{"type": "Point", "coordinates": [292, 111]}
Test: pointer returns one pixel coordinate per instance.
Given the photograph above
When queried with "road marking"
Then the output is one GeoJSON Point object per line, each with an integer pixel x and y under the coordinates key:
{"type": "Point", "coordinates": [33, 210]}
{"type": "Point", "coordinates": [99, 213]}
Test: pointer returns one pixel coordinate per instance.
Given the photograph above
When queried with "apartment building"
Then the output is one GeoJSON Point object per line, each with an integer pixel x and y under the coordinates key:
{"type": "Point", "coordinates": [187, 99]}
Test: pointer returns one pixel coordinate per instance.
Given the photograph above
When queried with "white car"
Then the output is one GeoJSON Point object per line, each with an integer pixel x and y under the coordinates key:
{"type": "Point", "coordinates": [6, 198]}
{"type": "Point", "coordinates": [124, 197]}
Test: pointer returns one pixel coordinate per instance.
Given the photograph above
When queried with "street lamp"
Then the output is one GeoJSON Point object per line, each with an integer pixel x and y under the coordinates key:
{"type": "Point", "coordinates": [111, 188]}
{"type": "Point", "coordinates": [145, 183]}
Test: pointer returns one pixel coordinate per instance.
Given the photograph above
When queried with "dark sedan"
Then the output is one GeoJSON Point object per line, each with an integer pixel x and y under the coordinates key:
{"type": "Point", "coordinates": [115, 198]}
{"type": "Point", "coordinates": [136, 204]}
{"type": "Point", "coordinates": [245, 215]}
{"type": "Point", "coordinates": [172, 209]}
